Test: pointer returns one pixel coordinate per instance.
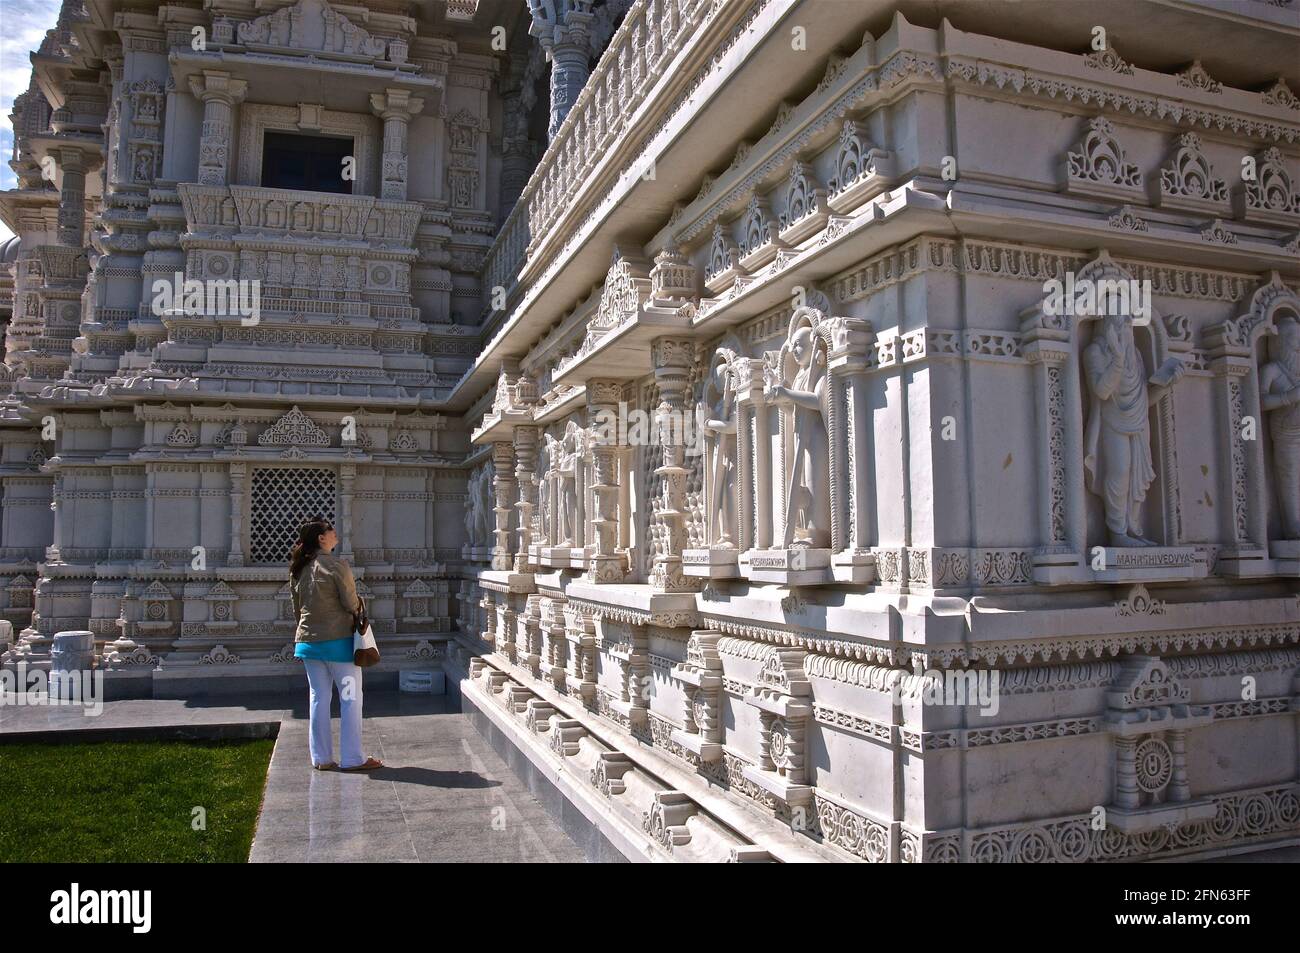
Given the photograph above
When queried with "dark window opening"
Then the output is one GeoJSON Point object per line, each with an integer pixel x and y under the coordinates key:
{"type": "Point", "coordinates": [310, 163]}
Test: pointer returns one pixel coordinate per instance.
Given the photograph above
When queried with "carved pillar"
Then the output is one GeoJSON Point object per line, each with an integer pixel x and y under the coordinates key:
{"type": "Point", "coordinates": [506, 619]}
{"type": "Point", "coordinates": [525, 464]}
{"type": "Point", "coordinates": [347, 478]}
{"type": "Point", "coordinates": [395, 107]}
{"type": "Point", "coordinates": [219, 94]}
{"type": "Point", "coordinates": [633, 655]}
{"type": "Point", "coordinates": [853, 494]}
{"type": "Point", "coordinates": [580, 634]}
{"type": "Point", "coordinates": [555, 647]}
{"type": "Point", "coordinates": [52, 551]}
{"type": "Point", "coordinates": [1126, 789]}
{"type": "Point", "coordinates": [701, 674]}
{"type": "Point", "coordinates": [528, 635]}
{"type": "Point", "coordinates": [503, 484]}
{"type": "Point", "coordinates": [754, 449]}
{"type": "Point", "coordinates": [1056, 479]}
{"type": "Point", "coordinates": [72, 197]}
{"type": "Point", "coordinates": [1245, 529]}
{"type": "Point", "coordinates": [567, 42]}
{"type": "Point", "coordinates": [150, 502]}
{"type": "Point", "coordinates": [672, 363]}
{"type": "Point", "coordinates": [1179, 790]}
{"type": "Point", "coordinates": [605, 564]}
{"type": "Point", "coordinates": [238, 474]}
{"type": "Point", "coordinates": [488, 605]}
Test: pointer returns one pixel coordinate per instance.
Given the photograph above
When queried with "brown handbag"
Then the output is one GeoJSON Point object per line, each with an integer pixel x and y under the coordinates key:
{"type": "Point", "coordinates": [365, 652]}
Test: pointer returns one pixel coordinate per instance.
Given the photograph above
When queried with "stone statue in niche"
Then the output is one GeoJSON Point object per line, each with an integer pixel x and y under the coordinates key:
{"type": "Point", "coordinates": [545, 473]}
{"type": "Point", "coordinates": [471, 496]}
{"type": "Point", "coordinates": [720, 425]}
{"type": "Point", "coordinates": [567, 456]}
{"type": "Point", "coordinates": [798, 385]}
{"type": "Point", "coordinates": [1279, 386]}
{"type": "Point", "coordinates": [1117, 448]}
{"type": "Point", "coordinates": [481, 500]}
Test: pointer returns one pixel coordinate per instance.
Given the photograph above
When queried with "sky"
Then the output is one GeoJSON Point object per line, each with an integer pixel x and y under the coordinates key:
{"type": "Point", "coordinates": [22, 27]}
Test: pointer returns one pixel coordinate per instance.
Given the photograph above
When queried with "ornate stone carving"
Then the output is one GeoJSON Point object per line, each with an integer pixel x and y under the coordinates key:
{"type": "Point", "coordinates": [294, 429]}
{"type": "Point", "coordinates": [1118, 443]}
{"type": "Point", "coordinates": [1100, 167]}
{"type": "Point", "coordinates": [1279, 385]}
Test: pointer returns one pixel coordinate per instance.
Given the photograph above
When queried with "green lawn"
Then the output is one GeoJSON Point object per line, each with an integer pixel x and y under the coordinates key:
{"type": "Point", "coordinates": [122, 801]}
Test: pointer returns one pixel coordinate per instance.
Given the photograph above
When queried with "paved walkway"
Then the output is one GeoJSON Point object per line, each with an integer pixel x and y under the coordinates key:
{"type": "Point", "coordinates": [444, 794]}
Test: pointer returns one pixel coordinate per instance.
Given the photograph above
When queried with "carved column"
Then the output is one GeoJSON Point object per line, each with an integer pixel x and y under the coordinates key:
{"type": "Point", "coordinates": [580, 633]}
{"type": "Point", "coordinates": [1056, 479]}
{"type": "Point", "coordinates": [395, 107]}
{"type": "Point", "coordinates": [72, 197]}
{"type": "Point", "coordinates": [1242, 523]}
{"type": "Point", "coordinates": [503, 455]}
{"type": "Point", "coordinates": [489, 609]}
{"type": "Point", "coordinates": [525, 465]}
{"type": "Point", "coordinates": [672, 363]}
{"type": "Point", "coordinates": [1126, 789]}
{"type": "Point", "coordinates": [238, 474]}
{"type": "Point", "coordinates": [567, 42]}
{"type": "Point", "coordinates": [852, 452]}
{"type": "Point", "coordinates": [219, 94]}
{"type": "Point", "coordinates": [506, 619]}
{"type": "Point", "coordinates": [605, 563]}
{"type": "Point", "coordinates": [347, 478]}
{"type": "Point", "coordinates": [528, 634]}
{"type": "Point", "coordinates": [754, 449]}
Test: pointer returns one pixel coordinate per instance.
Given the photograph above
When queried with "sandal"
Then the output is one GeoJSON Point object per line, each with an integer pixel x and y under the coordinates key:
{"type": "Point", "coordinates": [328, 766]}
{"type": "Point", "coordinates": [370, 765]}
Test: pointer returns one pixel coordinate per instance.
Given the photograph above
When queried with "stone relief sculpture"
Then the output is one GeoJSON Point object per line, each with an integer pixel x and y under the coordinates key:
{"type": "Point", "coordinates": [720, 425]}
{"type": "Point", "coordinates": [545, 474]}
{"type": "Point", "coordinates": [1279, 384]}
{"type": "Point", "coordinates": [481, 496]}
{"type": "Point", "coordinates": [798, 384]}
{"type": "Point", "coordinates": [1117, 448]}
{"type": "Point", "coordinates": [567, 455]}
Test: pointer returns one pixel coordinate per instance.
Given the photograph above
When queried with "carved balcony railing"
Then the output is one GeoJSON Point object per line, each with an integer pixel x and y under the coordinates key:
{"type": "Point", "coordinates": [652, 34]}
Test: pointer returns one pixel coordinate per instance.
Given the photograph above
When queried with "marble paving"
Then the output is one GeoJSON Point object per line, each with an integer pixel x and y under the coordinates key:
{"type": "Point", "coordinates": [444, 794]}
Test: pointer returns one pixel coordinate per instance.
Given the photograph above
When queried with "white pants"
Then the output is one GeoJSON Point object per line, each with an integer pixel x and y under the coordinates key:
{"type": "Point", "coordinates": [322, 677]}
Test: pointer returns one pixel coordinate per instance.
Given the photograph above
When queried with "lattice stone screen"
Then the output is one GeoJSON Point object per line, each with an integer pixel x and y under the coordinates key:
{"type": "Point", "coordinates": [282, 498]}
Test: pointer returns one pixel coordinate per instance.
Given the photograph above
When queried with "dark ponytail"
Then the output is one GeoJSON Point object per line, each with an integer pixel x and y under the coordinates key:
{"type": "Point", "coordinates": [308, 545]}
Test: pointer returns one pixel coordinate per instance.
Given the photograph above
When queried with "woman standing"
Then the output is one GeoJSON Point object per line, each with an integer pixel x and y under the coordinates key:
{"type": "Point", "coordinates": [326, 604]}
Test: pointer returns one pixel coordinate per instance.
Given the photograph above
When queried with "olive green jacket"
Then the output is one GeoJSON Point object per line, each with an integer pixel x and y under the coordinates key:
{"type": "Point", "coordinates": [324, 599]}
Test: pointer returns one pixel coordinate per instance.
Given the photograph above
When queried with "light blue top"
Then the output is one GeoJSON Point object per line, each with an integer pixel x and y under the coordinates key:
{"type": "Point", "coordinates": [332, 650]}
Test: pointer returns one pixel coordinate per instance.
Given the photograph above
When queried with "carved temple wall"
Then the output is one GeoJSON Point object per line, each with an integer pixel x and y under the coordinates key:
{"type": "Point", "coordinates": [738, 646]}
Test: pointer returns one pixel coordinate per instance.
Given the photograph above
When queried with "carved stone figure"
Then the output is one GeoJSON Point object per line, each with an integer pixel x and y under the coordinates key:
{"type": "Point", "coordinates": [482, 495]}
{"type": "Point", "coordinates": [802, 391]}
{"type": "Point", "coordinates": [568, 459]}
{"type": "Point", "coordinates": [1117, 453]}
{"type": "Point", "coordinates": [720, 422]}
{"type": "Point", "coordinates": [1279, 385]}
{"type": "Point", "coordinates": [545, 473]}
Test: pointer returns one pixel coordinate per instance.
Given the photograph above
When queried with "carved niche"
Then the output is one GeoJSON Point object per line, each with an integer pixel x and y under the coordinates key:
{"type": "Point", "coordinates": [1256, 360]}
{"type": "Point", "coordinates": [1148, 717]}
{"type": "Point", "coordinates": [1108, 453]}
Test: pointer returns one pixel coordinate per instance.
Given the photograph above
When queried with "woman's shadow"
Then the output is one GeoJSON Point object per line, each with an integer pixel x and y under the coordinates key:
{"type": "Point", "coordinates": [430, 777]}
